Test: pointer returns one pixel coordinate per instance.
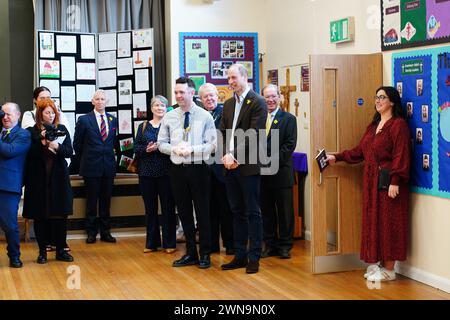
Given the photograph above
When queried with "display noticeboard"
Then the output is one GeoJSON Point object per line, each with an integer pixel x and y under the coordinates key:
{"type": "Point", "coordinates": [74, 65]}
{"type": "Point", "coordinates": [423, 79]}
{"type": "Point", "coordinates": [206, 57]}
{"type": "Point", "coordinates": [413, 23]}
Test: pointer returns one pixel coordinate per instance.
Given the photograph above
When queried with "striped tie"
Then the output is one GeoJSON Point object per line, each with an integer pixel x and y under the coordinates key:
{"type": "Point", "coordinates": [103, 128]}
{"type": "Point", "coordinates": [4, 134]}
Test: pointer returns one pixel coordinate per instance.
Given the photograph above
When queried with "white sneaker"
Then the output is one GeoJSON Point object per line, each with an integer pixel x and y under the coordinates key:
{"type": "Point", "coordinates": [382, 274]}
{"type": "Point", "coordinates": [371, 269]}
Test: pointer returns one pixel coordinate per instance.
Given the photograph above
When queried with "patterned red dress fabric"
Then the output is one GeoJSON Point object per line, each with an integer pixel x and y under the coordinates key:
{"type": "Point", "coordinates": [384, 220]}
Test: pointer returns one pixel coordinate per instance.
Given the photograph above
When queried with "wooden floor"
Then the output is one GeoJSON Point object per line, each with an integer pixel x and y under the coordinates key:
{"type": "Point", "coordinates": [123, 271]}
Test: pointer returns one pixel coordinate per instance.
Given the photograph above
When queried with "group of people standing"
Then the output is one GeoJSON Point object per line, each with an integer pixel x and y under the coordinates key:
{"type": "Point", "coordinates": [195, 159]}
{"type": "Point", "coordinates": [207, 162]}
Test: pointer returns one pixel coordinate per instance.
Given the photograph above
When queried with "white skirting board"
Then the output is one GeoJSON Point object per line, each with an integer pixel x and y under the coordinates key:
{"type": "Point", "coordinates": [427, 278]}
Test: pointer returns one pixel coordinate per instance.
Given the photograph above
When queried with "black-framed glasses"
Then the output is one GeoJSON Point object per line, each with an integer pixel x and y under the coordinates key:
{"type": "Point", "coordinates": [380, 97]}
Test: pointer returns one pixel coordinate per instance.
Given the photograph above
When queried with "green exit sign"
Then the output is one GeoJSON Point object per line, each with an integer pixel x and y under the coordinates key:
{"type": "Point", "coordinates": [342, 30]}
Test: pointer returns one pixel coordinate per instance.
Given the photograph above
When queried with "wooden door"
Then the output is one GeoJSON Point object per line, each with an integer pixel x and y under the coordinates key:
{"type": "Point", "coordinates": [342, 105]}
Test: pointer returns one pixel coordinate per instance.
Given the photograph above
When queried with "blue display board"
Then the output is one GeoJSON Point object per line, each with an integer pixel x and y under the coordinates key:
{"type": "Point", "coordinates": [423, 78]}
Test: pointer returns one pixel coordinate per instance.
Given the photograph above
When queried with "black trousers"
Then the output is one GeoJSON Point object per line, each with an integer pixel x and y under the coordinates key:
{"type": "Point", "coordinates": [151, 189]}
{"type": "Point", "coordinates": [221, 216]}
{"type": "Point", "coordinates": [277, 207]}
{"type": "Point", "coordinates": [98, 190]}
{"type": "Point", "coordinates": [191, 184]}
{"type": "Point", "coordinates": [46, 229]}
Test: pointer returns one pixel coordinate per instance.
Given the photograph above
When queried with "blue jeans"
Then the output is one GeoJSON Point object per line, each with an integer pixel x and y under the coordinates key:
{"type": "Point", "coordinates": [243, 196]}
{"type": "Point", "coordinates": [9, 206]}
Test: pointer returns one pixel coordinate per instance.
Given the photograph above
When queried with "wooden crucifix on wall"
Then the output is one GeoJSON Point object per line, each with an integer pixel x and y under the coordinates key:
{"type": "Point", "coordinates": [286, 91]}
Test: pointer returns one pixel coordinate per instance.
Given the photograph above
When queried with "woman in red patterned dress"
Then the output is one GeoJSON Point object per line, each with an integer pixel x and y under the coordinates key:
{"type": "Point", "coordinates": [386, 144]}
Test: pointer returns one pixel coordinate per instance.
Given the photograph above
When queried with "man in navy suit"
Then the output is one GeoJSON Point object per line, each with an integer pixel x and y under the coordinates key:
{"type": "Point", "coordinates": [94, 143]}
{"type": "Point", "coordinates": [277, 203]}
{"type": "Point", "coordinates": [14, 145]}
{"type": "Point", "coordinates": [244, 115]}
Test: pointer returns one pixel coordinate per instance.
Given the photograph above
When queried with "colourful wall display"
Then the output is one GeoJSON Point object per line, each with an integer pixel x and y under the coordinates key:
{"type": "Point", "coordinates": [74, 65]}
{"type": "Point", "coordinates": [412, 23]}
{"type": "Point", "coordinates": [423, 79]}
{"type": "Point", "coordinates": [206, 57]}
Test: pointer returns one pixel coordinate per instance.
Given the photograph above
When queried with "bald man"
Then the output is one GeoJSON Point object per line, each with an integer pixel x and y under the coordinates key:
{"type": "Point", "coordinates": [14, 145]}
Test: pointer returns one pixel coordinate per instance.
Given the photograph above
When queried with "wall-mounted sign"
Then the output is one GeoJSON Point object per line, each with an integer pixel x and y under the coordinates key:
{"type": "Point", "coordinates": [342, 30]}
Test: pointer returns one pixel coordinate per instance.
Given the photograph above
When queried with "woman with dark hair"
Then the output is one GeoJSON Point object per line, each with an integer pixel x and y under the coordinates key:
{"type": "Point", "coordinates": [385, 149]}
{"type": "Point", "coordinates": [48, 196]}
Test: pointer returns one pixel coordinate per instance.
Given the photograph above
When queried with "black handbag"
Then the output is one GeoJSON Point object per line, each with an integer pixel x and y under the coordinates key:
{"type": "Point", "coordinates": [384, 179]}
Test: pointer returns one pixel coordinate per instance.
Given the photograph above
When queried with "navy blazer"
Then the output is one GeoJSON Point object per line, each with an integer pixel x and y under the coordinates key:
{"type": "Point", "coordinates": [97, 157]}
{"type": "Point", "coordinates": [13, 151]}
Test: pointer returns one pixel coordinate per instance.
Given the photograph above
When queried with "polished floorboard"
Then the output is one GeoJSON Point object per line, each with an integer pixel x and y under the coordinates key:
{"type": "Point", "coordinates": [122, 271]}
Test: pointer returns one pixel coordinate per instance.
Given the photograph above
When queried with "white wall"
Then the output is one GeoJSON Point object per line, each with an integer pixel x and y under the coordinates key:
{"type": "Point", "coordinates": [220, 16]}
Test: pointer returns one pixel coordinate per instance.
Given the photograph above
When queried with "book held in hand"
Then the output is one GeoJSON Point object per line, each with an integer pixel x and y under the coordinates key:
{"type": "Point", "coordinates": [322, 160]}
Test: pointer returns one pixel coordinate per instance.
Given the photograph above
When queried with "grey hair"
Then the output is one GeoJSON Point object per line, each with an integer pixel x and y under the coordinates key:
{"type": "Point", "coordinates": [205, 87]}
{"type": "Point", "coordinates": [270, 85]}
{"type": "Point", "coordinates": [159, 98]}
{"type": "Point", "coordinates": [15, 105]}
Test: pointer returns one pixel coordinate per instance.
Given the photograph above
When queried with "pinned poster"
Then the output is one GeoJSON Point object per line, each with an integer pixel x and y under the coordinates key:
{"type": "Point", "coordinates": [123, 45]}
{"type": "Point", "coordinates": [140, 105]}
{"type": "Point", "coordinates": [142, 58]}
{"type": "Point", "coordinates": [124, 67]}
{"type": "Point", "coordinates": [125, 92]}
{"type": "Point", "coordinates": [66, 44]}
{"type": "Point", "coordinates": [68, 68]}
{"type": "Point", "coordinates": [126, 144]}
{"type": "Point", "coordinates": [87, 46]}
{"type": "Point", "coordinates": [125, 123]}
{"type": "Point", "coordinates": [85, 71]}
{"type": "Point", "coordinates": [107, 59]}
{"type": "Point", "coordinates": [68, 98]}
{"type": "Point", "coordinates": [107, 42]}
{"type": "Point", "coordinates": [46, 45]}
{"type": "Point", "coordinates": [391, 22]}
{"type": "Point", "coordinates": [49, 69]}
{"type": "Point", "coordinates": [85, 92]}
{"type": "Point", "coordinates": [107, 78]}
{"type": "Point", "coordinates": [142, 38]}
{"type": "Point", "coordinates": [111, 98]}
{"type": "Point", "coordinates": [52, 85]}
{"type": "Point", "coordinates": [141, 80]}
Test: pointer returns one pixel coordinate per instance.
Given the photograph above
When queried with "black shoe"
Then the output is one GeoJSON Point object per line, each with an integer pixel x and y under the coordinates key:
{"type": "Point", "coordinates": [185, 260]}
{"type": "Point", "coordinates": [64, 256]}
{"type": "Point", "coordinates": [204, 262]}
{"type": "Point", "coordinates": [229, 252]}
{"type": "Point", "coordinates": [269, 252]}
{"type": "Point", "coordinates": [15, 263]}
{"type": "Point", "coordinates": [252, 266]}
{"type": "Point", "coordinates": [235, 264]}
{"type": "Point", "coordinates": [42, 257]}
{"type": "Point", "coordinates": [285, 254]}
{"type": "Point", "coordinates": [91, 238]}
{"type": "Point", "coordinates": [108, 238]}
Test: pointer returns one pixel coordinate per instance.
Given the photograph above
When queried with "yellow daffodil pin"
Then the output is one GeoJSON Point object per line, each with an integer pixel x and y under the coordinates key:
{"type": "Point", "coordinates": [249, 101]}
{"type": "Point", "coordinates": [275, 121]}
{"type": "Point", "coordinates": [110, 118]}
